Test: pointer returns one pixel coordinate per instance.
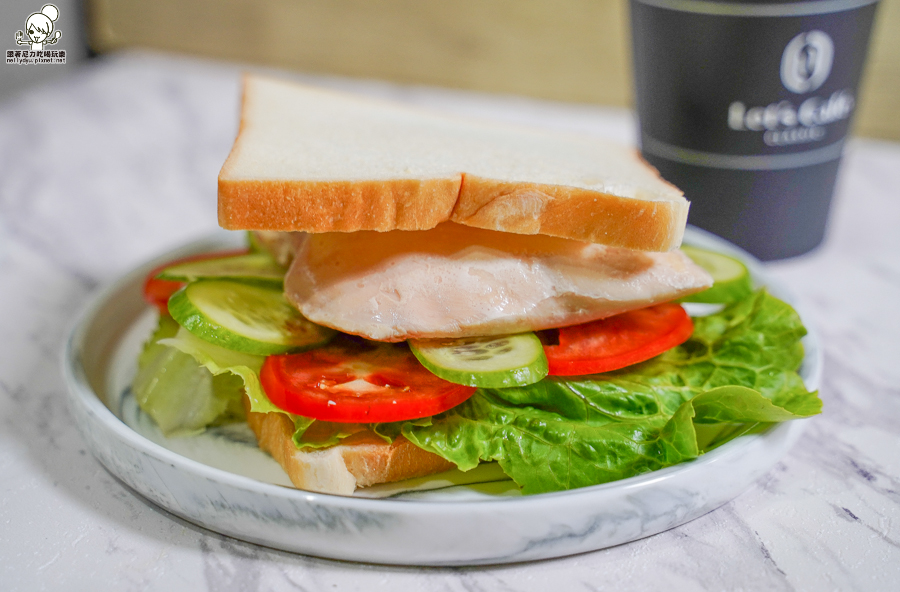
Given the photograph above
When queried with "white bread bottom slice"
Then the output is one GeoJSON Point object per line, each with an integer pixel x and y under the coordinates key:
{"type": "Point", "coordinates": [361, 460]}
{"type": "Point", "coordinates": [312, 160]}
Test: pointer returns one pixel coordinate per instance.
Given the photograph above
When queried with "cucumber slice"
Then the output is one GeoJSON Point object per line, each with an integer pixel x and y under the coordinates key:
{"type": "Point", "coordinates": [490, 362]}
{"type": "Point", "coordinates": [256, 267]}
{"type": "Point", "coordinates": [731, 278]}
{"type": "Point", "coordinates": [249, 318]}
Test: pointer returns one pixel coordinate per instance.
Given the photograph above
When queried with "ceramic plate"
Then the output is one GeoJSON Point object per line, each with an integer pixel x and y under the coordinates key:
{"type": "Point", "coordinates": [221, 481]}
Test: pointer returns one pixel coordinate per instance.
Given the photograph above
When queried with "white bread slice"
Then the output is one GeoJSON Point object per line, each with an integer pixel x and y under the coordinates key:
{"type": "Point", "coordinates": [313, 160]}
{"type": "Point", "coordinates": [358, 461]}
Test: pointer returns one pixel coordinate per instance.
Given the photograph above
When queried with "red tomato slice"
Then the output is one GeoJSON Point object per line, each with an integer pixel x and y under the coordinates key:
{"type": "Point", "coordinates": [349, 382]}
{"type": "Point", "coordinates": [619, 341]}
{"type": "Point", "coordinates": [157, 292]}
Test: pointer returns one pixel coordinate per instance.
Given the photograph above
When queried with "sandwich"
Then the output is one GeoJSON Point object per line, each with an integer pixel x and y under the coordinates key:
{"type": "Point", "coordinates": [425, 293]}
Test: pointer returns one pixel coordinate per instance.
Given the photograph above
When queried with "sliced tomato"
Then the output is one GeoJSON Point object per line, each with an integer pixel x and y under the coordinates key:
{"type": "Point", "coordinates": [157, 292]}
{"type": "Point", "coordinates": [618, 341]}
{"type": "Point", "coordinates": [353, 382]}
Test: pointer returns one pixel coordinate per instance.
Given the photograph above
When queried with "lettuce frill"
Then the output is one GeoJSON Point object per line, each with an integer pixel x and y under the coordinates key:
{"type": "Point", "coordinates": [737, 374]}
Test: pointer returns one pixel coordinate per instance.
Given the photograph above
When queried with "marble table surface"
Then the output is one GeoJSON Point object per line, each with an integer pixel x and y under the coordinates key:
{"type": "Point", "coordinates": [117, 162]}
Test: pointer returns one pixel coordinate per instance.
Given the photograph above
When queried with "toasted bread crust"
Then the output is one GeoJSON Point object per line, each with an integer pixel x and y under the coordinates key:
{"type": "Point", "coordinates": [336, 206]}
{"type": "Point", "coordinates": [521, 208]}
{"type": "Point", "coordinates": [358, 461]}
{"type": "Point", "coordinates": [570, 212]}
{"type": "Point", "coordinates": [312, 161]}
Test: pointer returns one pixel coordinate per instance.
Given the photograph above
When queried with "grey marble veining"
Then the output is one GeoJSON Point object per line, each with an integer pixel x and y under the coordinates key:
{"type": "Point", "coordinates": [117, 163]}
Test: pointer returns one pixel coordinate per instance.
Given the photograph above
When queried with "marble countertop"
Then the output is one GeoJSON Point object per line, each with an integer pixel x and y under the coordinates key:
{"type": "Point", "coordinates": [117, 162]}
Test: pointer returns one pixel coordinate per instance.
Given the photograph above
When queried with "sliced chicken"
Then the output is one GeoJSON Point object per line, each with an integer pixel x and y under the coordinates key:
{"type": "Point", "coordinates": [455, 281]}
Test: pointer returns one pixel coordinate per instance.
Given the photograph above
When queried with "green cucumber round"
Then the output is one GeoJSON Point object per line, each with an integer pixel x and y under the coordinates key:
{"type": "Point", "coordinates": [731, 278]}
{"type": "Point", "coordinates": [254, 267]}
{"type": "Point", "coordinates": [249, 318]}
{"type": "Point", "coordinates": [490, 362]}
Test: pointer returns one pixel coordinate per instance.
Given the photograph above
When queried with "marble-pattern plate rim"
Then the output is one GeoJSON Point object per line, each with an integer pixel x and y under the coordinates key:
{"type": "Point", "coordinates": [404, 532]}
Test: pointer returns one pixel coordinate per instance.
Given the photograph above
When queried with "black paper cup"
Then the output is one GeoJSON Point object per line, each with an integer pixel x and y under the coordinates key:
{"type": "Point", "coordinates": [745, 107]}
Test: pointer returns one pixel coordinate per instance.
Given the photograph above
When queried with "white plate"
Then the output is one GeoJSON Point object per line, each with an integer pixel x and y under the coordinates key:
{"type": "Point", "coordinates": [228, 486]}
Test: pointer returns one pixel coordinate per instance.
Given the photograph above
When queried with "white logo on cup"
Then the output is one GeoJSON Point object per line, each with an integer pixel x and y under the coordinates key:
{"type": "Point", "coordinates": [806, 62]}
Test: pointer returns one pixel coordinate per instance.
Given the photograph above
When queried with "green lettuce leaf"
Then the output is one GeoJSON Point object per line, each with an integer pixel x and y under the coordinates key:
{"type": "Point", "coordinates": [737, 372]}
{"type": "Point", "coordinates": [736, 375]}
{"type": "Point", "coordinates": [219, 361]}
{"type": "Point", "coordinates": [181, 396]}
{"type": "Point", "coordinates": [311, 433]}
{"type": "Point", "coordinates": [314, 434]}
{"type": "Point", "coordinates": [244, 368]}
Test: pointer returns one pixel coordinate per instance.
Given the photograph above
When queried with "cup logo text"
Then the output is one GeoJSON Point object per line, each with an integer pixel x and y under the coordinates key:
{"type": "Point", "coordinates": [805, 66]}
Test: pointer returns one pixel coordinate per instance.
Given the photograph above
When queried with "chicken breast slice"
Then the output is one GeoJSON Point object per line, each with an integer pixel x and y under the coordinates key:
{"type": "Point", "coordinates": [457, 281]}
